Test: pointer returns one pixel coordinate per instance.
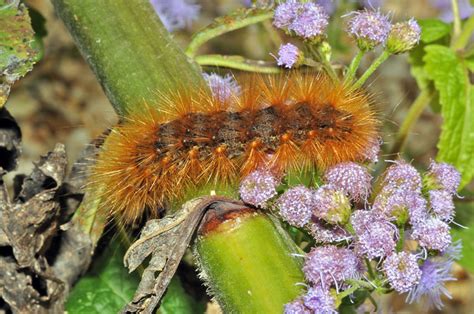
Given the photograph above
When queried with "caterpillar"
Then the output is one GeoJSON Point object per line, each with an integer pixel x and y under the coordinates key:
{"type": "Point", "coordinates": [192, 138]}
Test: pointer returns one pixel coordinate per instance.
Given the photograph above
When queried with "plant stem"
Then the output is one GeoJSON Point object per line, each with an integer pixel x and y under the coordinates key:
{"type": "Point", "coordinates": [456, 19]}
{"type": "Point", "coordinates": [249, 262]}
{"type": "Point", "coordinates": [377, 62]}
{"type": "Point", "coordinates": [463, 39]}
{"type": "Point", "coordinates": [350, 74]}
{"type": "Point", "coordinates": [237, 62]}
{"type": "Point", "coordinates": [128, 48]}
{"type": "Point", "coordinates": [412, 116]}
{"type": "Point", "coordinates": [225, 25]}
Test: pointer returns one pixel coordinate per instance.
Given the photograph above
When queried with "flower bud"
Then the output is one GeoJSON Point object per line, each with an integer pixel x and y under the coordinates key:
{"type": "Point", "coordinates": [403, 36]}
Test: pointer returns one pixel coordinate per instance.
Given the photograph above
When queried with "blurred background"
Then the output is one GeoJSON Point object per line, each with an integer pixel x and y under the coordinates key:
{"type": "Point", "coordinates": [61, 100]}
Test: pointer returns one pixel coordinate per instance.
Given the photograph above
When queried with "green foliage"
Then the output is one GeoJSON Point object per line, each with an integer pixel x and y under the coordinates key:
{"type": "Point", "coordinates": [107, 288]}
{"type": "Point", "coordinates": [433, 29]}
{"type": "Point", "coordinates": [18, 49]}
{"type": "Point", "coordinates": [456, 96]}
{"type": "Point", "coordinates": [177, 301]}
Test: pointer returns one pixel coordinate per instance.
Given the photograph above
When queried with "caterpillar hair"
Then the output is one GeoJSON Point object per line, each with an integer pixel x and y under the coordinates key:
{"type": "Point", "coordinates": [192, 138]}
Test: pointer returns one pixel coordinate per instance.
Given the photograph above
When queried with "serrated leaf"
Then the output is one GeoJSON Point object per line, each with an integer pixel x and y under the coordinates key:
{"type": "Point", "coordinates": [465, 217]}
{"type": "Point", "coordinates": [433, 29]}
{"type": "Point", "coordinates": [107, 289]}
{"type": "Point", "coordinates": [18, 49]}
{"type": "Point", "coordinates": [456, 95]}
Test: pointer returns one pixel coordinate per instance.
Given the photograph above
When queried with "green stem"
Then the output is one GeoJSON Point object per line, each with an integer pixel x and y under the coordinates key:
{"type": "Point", "coordinates": [370, 271]}
{"type": "Point", "coordinates": [351, 72]}
{"type": "Point", "coordinates": [128, 48]}
{"type": "Point", "coordinates": [463, 39]}
{"type": "Point", "coordinates": [237, 62]}
{"type": "Point", "coordinates": [225, 25]}
{"type": "Point", "coordinates": [456, 20]}
{"type": "Point", "coordinates": [249, 263]}
{"type": "Point", "coordinates": [412, 116]}
{"type": "Point", "coordinates": [327, 66]}
{"type": "Point", "coordinates": [377, 62]}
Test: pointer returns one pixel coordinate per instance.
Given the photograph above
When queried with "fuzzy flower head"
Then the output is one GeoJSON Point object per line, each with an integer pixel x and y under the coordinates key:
{"type": "Point", "coordinates": [351, 178]}
{"type": "Point", "coordinates": [402, 175]}
{"type": "Point", "coordinates": [402, 271]}
{"type": "Point", "coordinates": [307, 20]}
{"type": "Point", "coordinates": [296, 205]}
{"type": "Point", "coordinates": [331, 205]}
{"type": "Point", "coordinates": [434, 274]}
{"type": "Point", "coordinates": [432, 234]}
{"type": "Point", "coordinates": [369, 28]}
{"type": "Point", "coordinates": [289, 56]}
{"type": "Point", "coordinates": [443, 176]}
{"type": "Point", "coordinates": [375, 236]}
{"type": "Point", "coordinates": [258, 187]}
{"type": "Point", "coordinates": [442, 205]}
{"type": "Point", "coordinates": [223, 88]}
{"type": "Point", "coordinates": [176, 14]}
{"type": "Point", "coordinates": [296, 307]}
{"type": "Point", "coordinates": [402, 205]}
{"type": "Point", "coordinates": [320, 300]}
{"type": "Point", "coordinates": [373, 150]}
{"type": "Point", "coordinates": [327, 234]}
{"type": "Point", "coordinates": [331, 265]}
{"type": "Point", "coordinates": [403, 36]}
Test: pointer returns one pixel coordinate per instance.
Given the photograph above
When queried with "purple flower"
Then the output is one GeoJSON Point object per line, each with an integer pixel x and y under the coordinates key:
{"type": "Point", "coordinates": [296, 307]}
{"type": "Point", "coordinates": [432, 234]}
{"type": "Point", "coordinates": [402, 271]}
{"type": "Point", "coordinates": [403, 36]}
{"type": "Point", "coordinates": [296, 205]}
{"type": "Point", "coordinates": [351, 178]}
{"type": "Point", "coordinates": [402, 175]}
{"type": "Point", "coordinates": [223, 88]}
{"type": "Point", "coordinates": [453, 252]}
{"type": "Point", "coordinates": [441, 202]}
{"type": "Point", "coordinates": [288, 55]}
{"type": "Point", "coordinates": [319, 300]}
{"type": "Point", "coordinates": [285, 13]}
{"type": "Point", "coordinates": [402, 205]}
{"type": "Point", "coordinates": [443, 176]}
{"type": "Point", "coordinates": [331, 205]}
{"type": "Point", "coordinates": [327, 233]}
{"type": "Point", "coordinates": [328, 265]}
{"type": "Point", "coordinates": [446, 11]}
{"type": "Point", "coordinates": [433, 276]}
{"type": "Point", "coordinates": [373, 150]}
{"type": "Point", "coordinates": [369, 28]}
{"type": "Point", "coordinates": [375, 236]}
{"type": "Point", "coordinates": [310, 22]}
{"type": "Point", "coordinates": [258, 187]}
{"type": "Point", "coordinates": [176, 14]}
{"type": "Point", "coordinates": [307, 20]}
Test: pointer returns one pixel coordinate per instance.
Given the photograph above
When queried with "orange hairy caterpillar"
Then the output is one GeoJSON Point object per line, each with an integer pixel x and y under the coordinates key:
{"type": "Point", "coordinates": [193, 138]}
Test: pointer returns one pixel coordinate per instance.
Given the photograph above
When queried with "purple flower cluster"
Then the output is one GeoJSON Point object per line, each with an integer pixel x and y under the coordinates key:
{"type": "Point", "coordinates": [258, 187]}
{"type": "Point", "coordinates": [330, 265]}
{"type": "Point", "coordinates": [223, 88]}
{"type": "Point", "coordinates": [408, 206]}
{"type": "Point", "coordinates": [403, 36]}
{"type": "Point", "coordinates": [176, 14]}
{"type": "Point", "coordinates": [307, 20]}
{"type": "Point", "coordinates": [369, 28]}
{"type": "Point", "coordinates": [288, 56]}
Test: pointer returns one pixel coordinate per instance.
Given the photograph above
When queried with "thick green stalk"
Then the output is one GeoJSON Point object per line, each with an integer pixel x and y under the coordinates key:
{"type": "Point", "coordinates": [351, 72]}
{"type": "Point", "coordinates": [131, 53]}
{"type": "Point", "coordinates": [249, 264]}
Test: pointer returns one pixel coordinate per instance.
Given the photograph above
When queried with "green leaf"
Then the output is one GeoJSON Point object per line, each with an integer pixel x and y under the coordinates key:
{"type": "Point", "coordinates": [456, 95]}
{"type": "Point", "coordinates": [18, 51]}
{"type": "Point", "coordinates": [465, 216]}
{"type": "Point", "coordinates": [107, 288]}
{"type": "Point", "coordinates": [433, 29]}
{"type": "Point", "coordinates": [177, 301]}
